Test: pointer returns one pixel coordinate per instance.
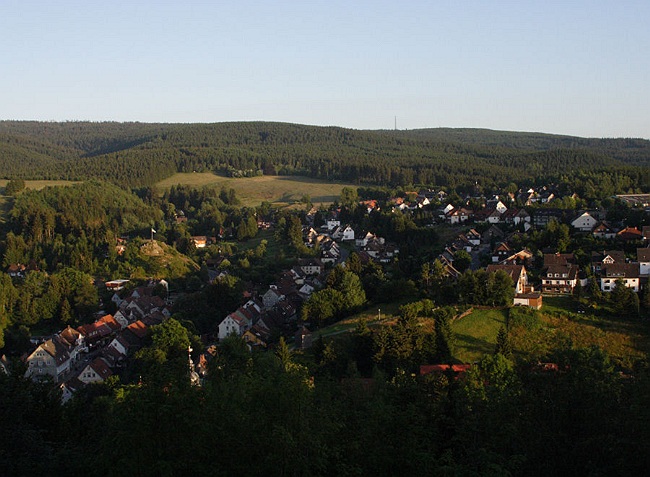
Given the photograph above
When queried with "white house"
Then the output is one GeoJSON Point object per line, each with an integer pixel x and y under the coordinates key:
{"type": "Point", "coordinates": [332, 224]}
{"type": "Point", "coordinates": [97, 371]}
{"type": "Point", "coordinates": [343, 233]}
{"type": "Point", "coordinates": [233, 324]}
{"type": "Point", "coordinates": [585, 222]}
{"type": "Point", "coordinates": [628, 273]}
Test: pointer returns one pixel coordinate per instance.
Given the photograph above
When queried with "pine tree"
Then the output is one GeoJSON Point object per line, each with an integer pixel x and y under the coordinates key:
{"type": "Point", "coordinates": [503, 346]}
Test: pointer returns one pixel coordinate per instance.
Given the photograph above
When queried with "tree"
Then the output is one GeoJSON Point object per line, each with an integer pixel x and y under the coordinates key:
{"type": "Point", "coordinates": [354, 296]}
{"type": "Point", "coordinates": [323, 305]}
{"type": "Point", "coordinates": [14, 186]}
{"type": "Point", "coordinates": [462, 260]}
{"type": "Point", "coordinates": [503, 346]}
{"type": "Point", "coordinates": [624, 300]}
{"type": "Point", "coordinates": [349, 198]}
{"type": "Point", "coordinates": [444, 339]}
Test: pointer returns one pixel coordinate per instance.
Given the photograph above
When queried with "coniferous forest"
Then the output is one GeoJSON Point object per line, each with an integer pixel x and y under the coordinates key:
{"type": "Point", "coordinates": [137, 154]}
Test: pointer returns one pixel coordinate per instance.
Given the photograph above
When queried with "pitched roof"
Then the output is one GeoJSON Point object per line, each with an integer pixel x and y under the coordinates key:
{"type": "Point", "coordinates": [630, 233]}
{"type": "Point", "coordinates": [139, 329]}
{"type": "Point", "coordinates": [101, 368]}
{"type": "Point", "coordinates": [621, 270]}
{"type": "Point", "coordinates": [56, 348]}
{"type": "Point", "coordinates": [558, 258]}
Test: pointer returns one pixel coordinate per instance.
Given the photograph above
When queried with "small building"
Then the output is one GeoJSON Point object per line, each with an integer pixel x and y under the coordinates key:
{"type": "Point", "coordinates": [303, 338]}
{"type": "Point", "coordinates": [532, 300]}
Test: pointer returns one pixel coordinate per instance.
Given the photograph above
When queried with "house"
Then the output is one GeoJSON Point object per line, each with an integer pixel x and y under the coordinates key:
{"type": "Point", "coordinates": [95, 332]}
{"type": "Point", "coordinates": [271, 297]}
{"type": "Point", "coordinates": [527, 197]}
{"type": "Point", "coordinates": [16, 270]}
{"type": "Point", "coordinates": [545, 197]}
{"type": "Point", "coordinates": [363, 238]}
{"type": "Point", "coordinates": [343, 233]}
{"type": "Point", "coordinates": [50, 358]}
{"type": "Point", "coordinates": [459, 215]}
{"type": "Point", "coordinates": [370, 205]}
{"type": "Point", "coordinates": [627, 272]}
{"type": "Point", "coordinates": [493, 233]}
{"type": "Point", "coordinates": [257, 336]}
{"type": "Point", "coordinates": [75, 341]}
{"type": "Point", "coordinates": [541, 217]}
{"type": "Point", "coordinates": [497, 205]}
{"type": "Point", "coordinates": [560, 274]}
{"type": "Point", "coordinates": [309, 235]}
{"type": "Point", "coordinates": [630, 234]}
{"type": "Point", "coordinates": [233, 324]}
{"type": "Point", "coordinates": [643, 257]}
{"type": "Point", "coordinates": [200, 241]}
{"type": "Point", "coordinates": [116, 285]}
{"type": "Point", "coordinates": [330, 251]}
{"type": "Point", "coordinates": [311, 266]}
{"type": "Point", "coordinates": [516, 272]}
{"type": "Point", "coordinates": [598, 260]}
{"type": "Point", "coordinates": [585, 222]}
{"type": "Point", "coordinates": [523, 257]}
{"type": "Point", "coordinates": [240, 320]}
{"type": "Point", "coordinates": [501, 252]}
{"type": "Point", "coordinates": [69, 388]}
{"type": "Point", "coordinates": [97, 371]}
{"type": "Point", "coordinates": [603, 230]}
{"type": "Point", "coordinates": [473, 237]}
{"type": "Point", "coordinates": [331, 224]}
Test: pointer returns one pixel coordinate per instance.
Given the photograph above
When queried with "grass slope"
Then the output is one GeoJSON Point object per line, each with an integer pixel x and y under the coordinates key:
{"type": "Point", "coordinates": [476, 333]}
{"type": "Point", "coordinates": [281, 191]}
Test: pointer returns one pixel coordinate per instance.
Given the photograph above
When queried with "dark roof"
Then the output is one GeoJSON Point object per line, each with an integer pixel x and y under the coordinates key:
{"type": "Point", "coordinates": [558, 259]}
{"type": "Point", "coordinates": [621, 270]}
{"type": "Point", "coordinates": [643, 254]}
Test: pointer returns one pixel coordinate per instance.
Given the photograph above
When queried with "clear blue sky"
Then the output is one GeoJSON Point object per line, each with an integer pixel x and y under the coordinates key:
{"type": "Point", "coordinates": [567, 67]}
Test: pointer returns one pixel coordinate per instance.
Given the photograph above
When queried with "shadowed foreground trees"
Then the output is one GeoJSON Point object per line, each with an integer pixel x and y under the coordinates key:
{"type": "Point", "coordinates": [267, 416]}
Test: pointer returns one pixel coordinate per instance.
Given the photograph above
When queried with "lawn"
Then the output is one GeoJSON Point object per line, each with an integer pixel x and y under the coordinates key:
{"type": "Point", "coordinates": [389, 312]}
{"type": "Point", "coordinates": [476, 333]}
{"type": "Point", "coordinates": [281, 191]}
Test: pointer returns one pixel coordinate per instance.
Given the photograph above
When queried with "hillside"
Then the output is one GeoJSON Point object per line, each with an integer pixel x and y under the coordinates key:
{"type": "Point", "coordinates": [137, 154]}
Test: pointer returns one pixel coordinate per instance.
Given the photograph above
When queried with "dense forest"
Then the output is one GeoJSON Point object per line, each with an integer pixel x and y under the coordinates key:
{"type": "Point", "coordinates": [138, 154]}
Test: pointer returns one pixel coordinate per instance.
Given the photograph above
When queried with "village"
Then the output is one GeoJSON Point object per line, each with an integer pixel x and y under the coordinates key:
{"type": "Point", "coordinates": [91, 353]}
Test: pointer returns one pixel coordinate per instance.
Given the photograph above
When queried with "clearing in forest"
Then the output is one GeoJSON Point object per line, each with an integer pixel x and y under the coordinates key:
{"type": "Point", "coordinates": [280, 191]}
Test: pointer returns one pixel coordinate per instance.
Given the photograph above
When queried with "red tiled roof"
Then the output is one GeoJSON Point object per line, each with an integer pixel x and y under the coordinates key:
{"type": "Point", "coordinates": [441, 368]}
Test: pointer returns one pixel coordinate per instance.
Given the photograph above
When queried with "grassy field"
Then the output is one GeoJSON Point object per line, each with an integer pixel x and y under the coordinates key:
{"type": "Point", "coordinates": [281, 191]}
{"type": "Point", "coordinates": [38, 185]}
{"type": "Point", "coordinates": [476, 333]}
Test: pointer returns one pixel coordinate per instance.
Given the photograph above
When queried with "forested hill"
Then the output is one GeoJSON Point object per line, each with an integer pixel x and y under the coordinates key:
{"type": "Point", "coordinates": [140, 154]}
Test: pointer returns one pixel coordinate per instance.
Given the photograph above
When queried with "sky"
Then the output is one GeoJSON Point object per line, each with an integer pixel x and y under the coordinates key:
{"type": "Point", "coordinates": [565, 67]}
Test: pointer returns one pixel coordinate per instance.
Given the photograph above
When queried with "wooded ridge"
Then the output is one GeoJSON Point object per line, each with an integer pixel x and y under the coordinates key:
{"type": "Point", "coordinates": [140, 154]}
